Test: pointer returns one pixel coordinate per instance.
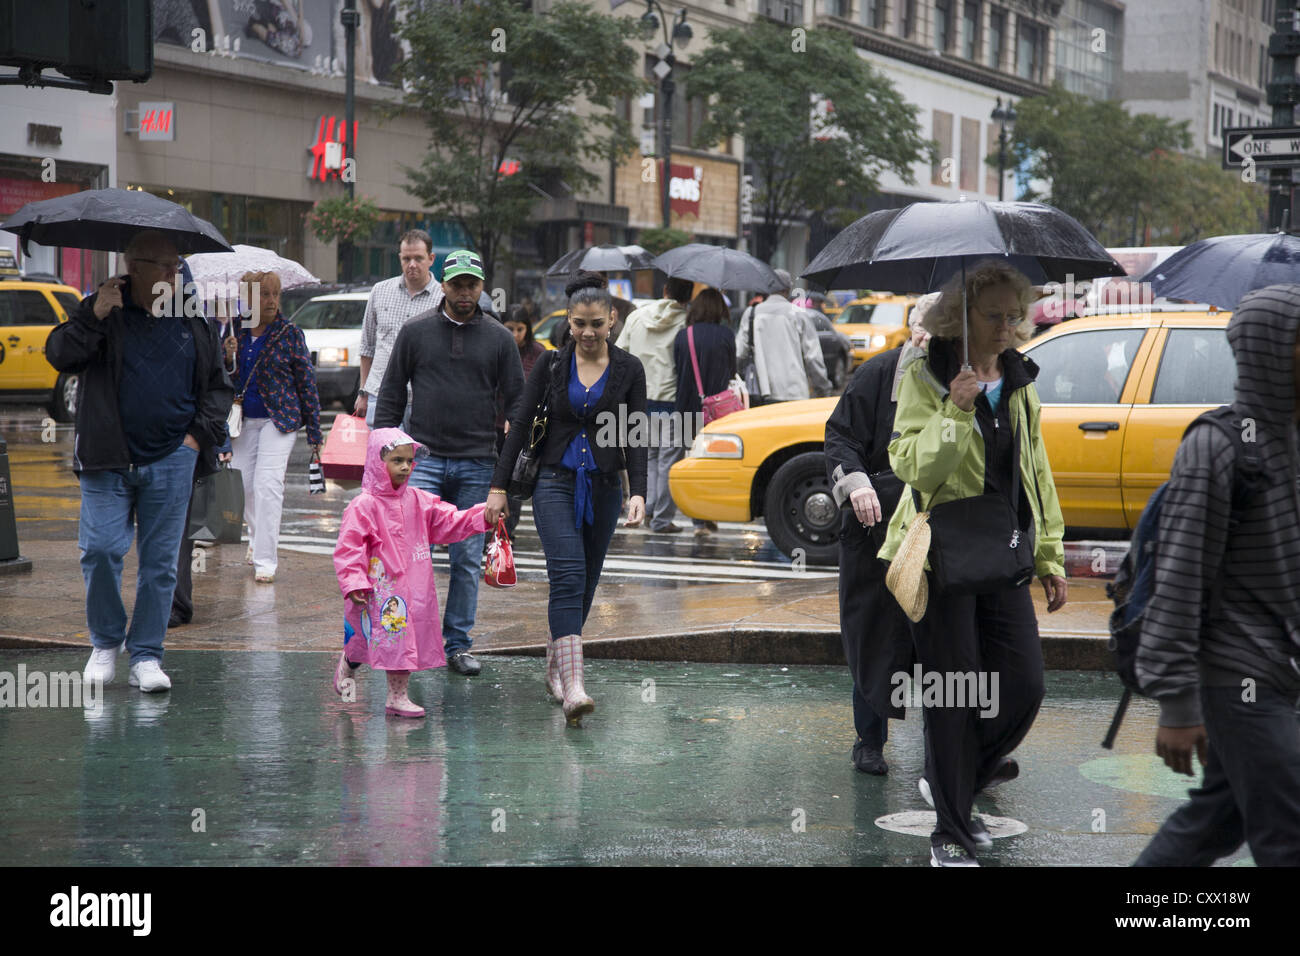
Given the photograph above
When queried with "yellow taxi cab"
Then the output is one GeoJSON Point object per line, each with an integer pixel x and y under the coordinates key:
{"type": "Point", "coordinates": [28, 311]}
{"type": "Point", "coordinates": [1117, 391]}
{"type": "Point", "coordinates": [874, 323]}
{"type": "Point", "coordinates": [548, 326]}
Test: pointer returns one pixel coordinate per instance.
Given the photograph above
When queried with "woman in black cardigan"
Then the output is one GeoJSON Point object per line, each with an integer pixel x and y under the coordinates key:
{"type": "Point", "coordinates": [578, 497]}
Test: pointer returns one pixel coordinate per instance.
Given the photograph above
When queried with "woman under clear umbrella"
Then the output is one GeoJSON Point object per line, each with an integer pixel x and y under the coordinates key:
{"type": "Point", "coordinates": [964, 432]}
{"type": "Point", "coordinates": [277, 386]}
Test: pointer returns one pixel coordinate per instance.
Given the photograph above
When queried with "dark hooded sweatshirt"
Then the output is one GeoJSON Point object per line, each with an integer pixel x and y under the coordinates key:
{"type": "Point", "coordinates": [1254, 631]}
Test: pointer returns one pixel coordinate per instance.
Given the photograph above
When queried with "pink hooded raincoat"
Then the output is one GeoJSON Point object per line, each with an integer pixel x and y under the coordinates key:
{"type": "Point", "coordinates": [383, 548]}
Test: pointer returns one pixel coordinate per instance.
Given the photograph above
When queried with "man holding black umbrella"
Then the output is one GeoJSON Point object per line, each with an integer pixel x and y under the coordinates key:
{"type": "Point", "coordinates": [153, 403]}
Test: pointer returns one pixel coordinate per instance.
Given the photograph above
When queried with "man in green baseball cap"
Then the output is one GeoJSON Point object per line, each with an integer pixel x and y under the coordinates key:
{"type": "Point", "coordinates": [462, 262]}
{"type": "Point", "coordinates": [459, 363]}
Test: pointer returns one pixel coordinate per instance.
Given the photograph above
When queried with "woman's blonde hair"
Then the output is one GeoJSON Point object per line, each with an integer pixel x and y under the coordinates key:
{"type": "Point", "coordinates": [270, 278]}
{"type": "Point", "coordinates": [944, 320]}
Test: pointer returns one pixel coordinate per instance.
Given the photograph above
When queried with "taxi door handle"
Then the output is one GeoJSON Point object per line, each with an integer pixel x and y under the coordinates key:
{"type": "Point", "coordinates": [14, 340]}
{"type": "Point", "coordinates": [1099, 426]}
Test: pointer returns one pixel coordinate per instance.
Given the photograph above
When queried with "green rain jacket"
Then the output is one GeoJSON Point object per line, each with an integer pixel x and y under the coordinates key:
{"type": "Point", "coordinates": [938, 450]}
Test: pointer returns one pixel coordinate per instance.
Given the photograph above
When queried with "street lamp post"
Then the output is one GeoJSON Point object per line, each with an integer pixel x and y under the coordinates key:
{"type": "Point", "coordinates": [351, 19]}
{"type": "Point", "coordinates": [681, 33]}
{"type": "Point", "coordinates": [1002, 117]}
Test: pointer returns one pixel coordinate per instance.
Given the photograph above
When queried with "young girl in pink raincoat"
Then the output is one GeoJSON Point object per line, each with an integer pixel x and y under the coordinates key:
{"type": "Point", "coordinates": [385, 572]}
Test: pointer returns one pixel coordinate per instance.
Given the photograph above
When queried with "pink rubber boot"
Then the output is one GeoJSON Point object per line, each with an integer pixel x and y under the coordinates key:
{"type": "Point", "coordinates": [554, 686]}
{"type": "Point", "coordinates": [398, 704]}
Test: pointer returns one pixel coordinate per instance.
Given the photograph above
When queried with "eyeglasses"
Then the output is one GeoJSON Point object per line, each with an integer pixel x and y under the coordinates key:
{"type": "Point", "coordinates": [996, 318]}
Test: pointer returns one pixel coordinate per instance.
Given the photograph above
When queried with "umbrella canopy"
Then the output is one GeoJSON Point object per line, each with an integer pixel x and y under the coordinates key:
{"type": "Point", "coordinates": [919, 247]}
{"type": "Point", "coordinates": [106, 219]}
{"type": "Point", "coordinates": [228, 267]}
{"type": "Point", "coordinates": [1219, 271]}
{"type": "Point", "coordinates": [719, 267]}
{"type": "Point", "coordinates": [602, 259]}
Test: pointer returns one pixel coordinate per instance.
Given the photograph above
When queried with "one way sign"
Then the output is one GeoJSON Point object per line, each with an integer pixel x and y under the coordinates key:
{"type": "Point", "coordinates": [1261, 145]}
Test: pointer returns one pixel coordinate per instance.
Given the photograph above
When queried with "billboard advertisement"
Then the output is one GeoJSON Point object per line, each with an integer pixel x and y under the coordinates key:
{"type": "Point", "coordinates": [301, 33]}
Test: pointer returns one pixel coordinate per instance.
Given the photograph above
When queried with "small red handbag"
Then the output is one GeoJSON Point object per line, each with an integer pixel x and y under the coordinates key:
{"type": "Point", "coordinates": [500, 569]}
{"type": "Point", "coordinates": [720, 404]}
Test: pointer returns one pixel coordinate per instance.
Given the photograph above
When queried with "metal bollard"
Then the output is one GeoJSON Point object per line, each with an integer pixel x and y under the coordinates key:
{"type": "Point", "coordinates": [11, 562]}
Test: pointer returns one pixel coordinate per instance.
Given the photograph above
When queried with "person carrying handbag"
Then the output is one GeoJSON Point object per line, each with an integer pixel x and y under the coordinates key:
{"type": "Point", "coordinates": [277, 396]}
{"type": "Point", "coordinates": [962, 434]}
{"type": "Point", "coordinates": [704, 355]}
{"type": "Point", "coordinates": [577, 496]}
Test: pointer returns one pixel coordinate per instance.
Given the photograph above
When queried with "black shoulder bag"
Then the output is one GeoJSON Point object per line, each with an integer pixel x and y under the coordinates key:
{"type": "Point", "coordinates": [977, 545]}
{"type": "Point", "coordinates": [523, 478]}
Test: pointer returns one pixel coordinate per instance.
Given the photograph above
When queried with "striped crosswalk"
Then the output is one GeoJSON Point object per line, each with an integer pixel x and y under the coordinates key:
{"type": "Point", "coordinates": [735, 553]}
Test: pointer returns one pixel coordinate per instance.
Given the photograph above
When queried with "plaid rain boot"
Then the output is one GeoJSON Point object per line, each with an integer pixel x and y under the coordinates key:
{"type": "Point", "coordinates": [576, 702]}
{"type": "Point", "coordinates": [554, 686]}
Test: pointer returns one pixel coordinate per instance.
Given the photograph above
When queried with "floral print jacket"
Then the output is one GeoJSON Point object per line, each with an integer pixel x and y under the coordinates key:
{"type": "Point", "coordinates": [286, 379]}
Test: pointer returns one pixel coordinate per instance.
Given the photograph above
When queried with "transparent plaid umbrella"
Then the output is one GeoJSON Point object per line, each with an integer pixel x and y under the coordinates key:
{"type": "Point", "coordinates": [210, 267]}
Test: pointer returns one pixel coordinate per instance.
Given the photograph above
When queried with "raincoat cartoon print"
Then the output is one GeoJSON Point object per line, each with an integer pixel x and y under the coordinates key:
{"type": "Point", "coordinates": [383, 549]}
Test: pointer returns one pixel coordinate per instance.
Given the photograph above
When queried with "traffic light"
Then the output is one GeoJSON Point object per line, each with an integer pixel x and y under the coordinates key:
{"type": "Point", "coordinates": [89, 41]}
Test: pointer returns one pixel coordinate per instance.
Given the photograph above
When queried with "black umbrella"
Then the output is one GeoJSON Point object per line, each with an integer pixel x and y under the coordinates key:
{"type": "Point", "coordinates": [106, 219]}
{"type": "Point", "coordinates": [1219, 271]}
{"type": "Point", "coordinates": [719, 267]}
{"type": "Point", "coordinates": [602, 259]}
{"type": "Point", "coordinates": [919, 247]}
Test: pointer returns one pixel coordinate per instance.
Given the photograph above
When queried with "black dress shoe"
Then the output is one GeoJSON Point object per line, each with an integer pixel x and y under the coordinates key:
{"type": "Point", "coordinates": [868, 759]}
{"type": "Point", "coordinates": [177, 621]}
{"type": "Point", "coordinates": [464, 663]}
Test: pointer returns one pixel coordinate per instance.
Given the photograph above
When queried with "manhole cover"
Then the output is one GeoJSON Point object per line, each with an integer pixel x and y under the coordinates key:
{"type": "Point", "coordinates": [921, 823]}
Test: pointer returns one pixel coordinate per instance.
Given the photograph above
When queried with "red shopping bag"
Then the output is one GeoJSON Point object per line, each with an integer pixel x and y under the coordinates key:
{"type": "Point", "coordinates": [344, 456]}
{"type": "Point", "coordinates": [500, 570]}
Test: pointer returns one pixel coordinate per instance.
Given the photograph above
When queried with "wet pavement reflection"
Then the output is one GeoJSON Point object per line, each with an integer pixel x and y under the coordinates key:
{"type": "Point", "coordinates": [252, 758]}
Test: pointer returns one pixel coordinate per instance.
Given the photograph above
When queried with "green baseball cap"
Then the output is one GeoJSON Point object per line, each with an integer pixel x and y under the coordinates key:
{"type": "Point", "coordinates": [462, 262]}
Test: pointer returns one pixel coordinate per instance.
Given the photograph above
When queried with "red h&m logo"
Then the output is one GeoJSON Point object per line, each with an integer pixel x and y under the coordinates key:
{"type": "Point", "coordinates": [155, 121]}
{"type": "Point", "coordinates": [330, 150]}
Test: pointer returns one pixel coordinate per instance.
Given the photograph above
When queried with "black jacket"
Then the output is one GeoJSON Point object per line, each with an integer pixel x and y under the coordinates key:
{"type": "Point", "coordinates": [93, 349]}
{"type": "Point", "coordinates": [625, 387]}
{"type": "Point", "coordinates": [715, 347]}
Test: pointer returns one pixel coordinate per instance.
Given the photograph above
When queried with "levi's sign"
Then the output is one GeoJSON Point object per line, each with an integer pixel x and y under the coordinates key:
{"type": "Point", "coordinates": [1261, 145]}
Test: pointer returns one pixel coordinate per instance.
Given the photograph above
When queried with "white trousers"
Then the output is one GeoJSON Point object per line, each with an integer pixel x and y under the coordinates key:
{"type": "Point", "coordinates": [261, 453]}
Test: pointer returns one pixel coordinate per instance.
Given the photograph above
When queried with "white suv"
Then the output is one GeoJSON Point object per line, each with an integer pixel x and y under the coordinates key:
{"type": "Point", "coordinates": [332, 327]}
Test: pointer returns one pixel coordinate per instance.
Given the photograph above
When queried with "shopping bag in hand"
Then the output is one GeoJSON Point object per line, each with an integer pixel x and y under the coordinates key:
{"type": "Point", "coordinates": [217, 507]}
{"type": "Point", "coordinates": [500, 570]}
{"type": "Point", "coordinates": [344, 456]}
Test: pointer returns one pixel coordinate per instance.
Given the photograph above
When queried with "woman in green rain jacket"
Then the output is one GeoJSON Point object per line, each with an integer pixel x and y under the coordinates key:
{"type": "Point", "coordinates": [953, 438]}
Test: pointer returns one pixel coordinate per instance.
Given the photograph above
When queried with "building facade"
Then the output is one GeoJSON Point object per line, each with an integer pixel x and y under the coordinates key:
{"type": "Point", "coordinates": [1203, 61]}
{"type": "Point", "coordinates": [54, 142]}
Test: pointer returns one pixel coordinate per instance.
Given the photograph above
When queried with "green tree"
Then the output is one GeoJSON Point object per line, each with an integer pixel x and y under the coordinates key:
{"type": "Point", "coordinates": [764, 82]}
{"type": "Point", "coordinates": [500, 84]}
{"type": "Point", "coordinates": [659, 240]}
{"type": "Point", "coordinates": [1124, 175]}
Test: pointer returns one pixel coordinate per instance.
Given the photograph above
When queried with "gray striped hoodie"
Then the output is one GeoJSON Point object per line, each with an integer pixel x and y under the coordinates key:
{"type": "Point", "coordinates": [1254, 633]}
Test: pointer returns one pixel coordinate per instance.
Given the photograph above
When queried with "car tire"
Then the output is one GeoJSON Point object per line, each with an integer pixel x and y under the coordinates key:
{"type": "Point", "coordinates": [801, 512]}
{"type": "Point", "coordinates": [63, 401]}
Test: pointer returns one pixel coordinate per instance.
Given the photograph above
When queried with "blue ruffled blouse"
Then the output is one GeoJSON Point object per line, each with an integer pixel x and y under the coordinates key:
{"type": "Point", "coordinates": [578, 455]}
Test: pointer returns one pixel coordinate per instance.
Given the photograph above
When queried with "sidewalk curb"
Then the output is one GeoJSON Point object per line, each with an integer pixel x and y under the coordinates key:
{"type": "Point", "coordinates": [761, 646]}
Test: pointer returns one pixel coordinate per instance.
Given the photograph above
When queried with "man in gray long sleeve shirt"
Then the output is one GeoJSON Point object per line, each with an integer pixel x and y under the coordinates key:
{"type": "Point", "coordinates": [457, 361]}
{"type": "Point", "coordinates": [1228, 685]}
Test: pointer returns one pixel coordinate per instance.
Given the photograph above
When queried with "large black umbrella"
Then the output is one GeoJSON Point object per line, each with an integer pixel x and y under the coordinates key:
{"type": "Point", "coordinates": [719, 267]}
{"type": "Point", "coordinates": [1219, 271]}
{"type": "Point", "coordinates": [919, 247]}
{"type": "Point", "coordinates": [106, 219]}
{"type": "Point", "coordinates": [602, 259]}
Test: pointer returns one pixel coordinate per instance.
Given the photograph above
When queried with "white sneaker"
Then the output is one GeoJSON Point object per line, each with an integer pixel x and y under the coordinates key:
{"type": "Point", "coordinates": [149, 677]}
{"type": "Point", "coordinates": [101, 667]}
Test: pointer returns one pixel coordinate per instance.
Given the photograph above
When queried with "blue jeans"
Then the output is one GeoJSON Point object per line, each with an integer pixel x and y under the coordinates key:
{"type": "Point", "coordinates": [573, 558]}
{"type": "Point", "coordinates": [156, 496]}
{"type": "Point", "coordinates": [1250, 790]}
{"type": "Point", "coordinates": [463, 482]}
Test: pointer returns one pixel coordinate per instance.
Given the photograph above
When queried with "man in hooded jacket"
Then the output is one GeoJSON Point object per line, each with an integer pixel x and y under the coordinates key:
{"type": "Point", "coordinates": [1228, 682]}
{"type": "Point", "coordinates": [649, 334]}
